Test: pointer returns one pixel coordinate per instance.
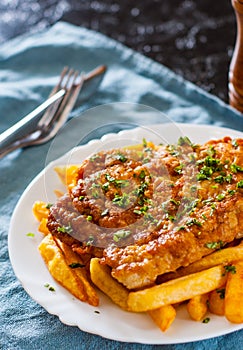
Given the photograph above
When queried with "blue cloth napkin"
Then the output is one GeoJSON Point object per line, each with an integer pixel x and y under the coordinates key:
{"type": "Point", "coordinates": [29, 67]}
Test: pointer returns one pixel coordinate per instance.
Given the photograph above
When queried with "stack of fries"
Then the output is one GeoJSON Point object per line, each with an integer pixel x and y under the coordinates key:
{"type": "Point", "coordinates": [213, 284]}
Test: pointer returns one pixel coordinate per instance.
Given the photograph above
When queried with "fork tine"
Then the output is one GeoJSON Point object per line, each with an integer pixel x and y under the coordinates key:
{"type": "Point", "coordinates": [51, 113]}
{"type": "Point", "coordinates": [64, 109]}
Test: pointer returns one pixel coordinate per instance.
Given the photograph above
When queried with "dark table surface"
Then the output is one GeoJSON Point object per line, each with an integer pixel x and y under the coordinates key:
{"type": "Point", "coordinates": [195, 38]}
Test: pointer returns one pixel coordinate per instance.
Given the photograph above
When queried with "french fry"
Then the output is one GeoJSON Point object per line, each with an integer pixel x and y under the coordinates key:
{"type": "Point", "coordinates": [40, 210]}
{"type": "Point", "coordinates": [216, 301]}
{"type": "Point", "coordinates": [67, 174]}
{"type": "Point", "coordinates": [74, 259]}
{"type": "Point", "coordinates": [197, 307]}
{"type": "Point", "coordinates": [163, 317]}
{"type": "Point", "coordinates": [58, 193]}
{"type": "Point", "coordinates": [234, 294]}
{"type": "Point", "coordinates": [101, 277]}
{"type": "Point", "coordinates": [177, 290]}
{"type": "Point", "coordinates": [72, 279]}
{"type": "Point", "coordinates": [43, 226]}
{"type": "Point", "coordinates": [223, 256]}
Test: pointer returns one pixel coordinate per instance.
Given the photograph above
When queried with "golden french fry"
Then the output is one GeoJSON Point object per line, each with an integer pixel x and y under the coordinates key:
{"type": "Point", "coordinates": [223, 256]}
{"type": "Point", "coordinates": [234, 294]}
{"type": "Point", "coordinates": [63, 273]}
{"type": "Point", "coordinates": [101, 277]}
{"type": "Point", "coordinates": [216, 301]}
{"type": "Point", "coordinates": [177, 290]}
{"type": "Point", "coordinates": [58, 193]}
{"type": "Point", "coordinates": [40, 210]}
{"type": "Point", "coordinates": [197, 307]}
{"type": "Point", "coordinates": [43, 226]}
{"type": "Point", "coordinates": [163, 317]}
{"type": "Point", "coordinates": [73, 259]}
{"type": "Point", "coordinates": [67, 174]}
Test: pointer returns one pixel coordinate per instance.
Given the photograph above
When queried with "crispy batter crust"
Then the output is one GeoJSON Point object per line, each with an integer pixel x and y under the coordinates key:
{"type": "Point", "coordinates": [151, 211]}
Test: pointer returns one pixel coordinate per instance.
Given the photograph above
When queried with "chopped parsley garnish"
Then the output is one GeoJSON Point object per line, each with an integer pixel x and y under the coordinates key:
{"type": "Point", "coordinates": [175, 202]}
{"type": "Point", "coordinates": [49, 205]}
{"type": "Point", "coordinates": [90, 241]}
{"type": "Point", "coordinates": [118, 183]}
{"type": "Point", "coordinates": [239, 184]}
{"type": "Point", "coordinates": [145, 144]}
{"type": "Point", "coordinates": [50, 288]}
{"type": "Point", "coordinates": [235, 143]}
{"type": "Point", "coordinates": [230, 268]}
{"type": "Point", "coordinates": [178, 169]}
{"type": "Point", "coordinates": [194, 222]}
{"type": "Point", "coordinates": [65, 229]}
{"type": "Point", "coordinates": [121, 157]}
{"type": "Point", "coordinates": [214, 245]}
{"type": "Point", "coordinates": [122, 201]}
{"type": "Point", "coordinates": [211, 151]}
{"type": "Point", "coordinates": [221, 293]}
{"type": "Point", "coordinates": [105, 186]}
{"type": "Point", "coordinates": [30, 234]}
{"type": "Point", "coordinates": [142, 174]}
{"type": "Point", "coordinates": [213, 207]}
{"type": "Point", "coordinates": [236, 168]}
{"type": "Point", "coordinates": [184, 141]}
{"type": "Point", "coordinates": [75, 265]}
{"type": "Point", "coordinates": [220, 197]}
{"type": "Point", "coordinates": [94, 157]}
{"type": "Point", "coordinates": [89, 218]}
{"type": "Point", "coordinates": [206, 320]}
{"type": "Point", "coordinates": [121, 234]}
{"type": "Point", "coordinates": [81, 198]}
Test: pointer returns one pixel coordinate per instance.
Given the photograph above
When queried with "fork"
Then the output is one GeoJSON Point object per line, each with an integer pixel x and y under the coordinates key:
{"type": "Point", "coordinates": [65, 94]}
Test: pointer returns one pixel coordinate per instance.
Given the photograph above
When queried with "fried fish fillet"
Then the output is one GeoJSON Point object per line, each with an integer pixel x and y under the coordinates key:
{"type": "Point", "coordinates": [152, 210]}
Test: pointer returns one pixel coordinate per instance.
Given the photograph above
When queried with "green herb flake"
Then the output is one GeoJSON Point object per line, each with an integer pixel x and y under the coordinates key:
{"type": "Point", "coordinates": [121, 234]}
{"type": "Point", "coordinates": [211, 151]}
{"type": "Point", "coordinates": [193, 222]}
{"type": "Point", "coordinates": [49, 205]}
{"type": "Point", "coordinates": [206, 320]}
{"type": "Point", "coordinates": [142, 174]}
{"type": "Point", "coordinates": [30, 234]}
{"type": "Point", "coordinates": [122, 201]}
{"type": "Point", "coordinates": [75, 265]}
{"type": "Point", "coordinates": [121, 157]}
{"type": "Point", "coordinates": [65, 229]}
{"type": "Point", "coordinates": [236, 168]}
{"type": "Point", "coordinates": [89, 218]}
{"type": "Point", "coordinates": [230, 268]}
{"type": "Point", "coordinates": [90, 241]}
{"type": "Point", "coordinates": [239, 184]}
{"type": "Point", "coordinates": [184, 141]}
{"type": "Point", "coordinates": [145, 144]}
{"type": "Point", "coordinates": [221, 293]}
{"type": "Point", "coordinates": [50, 288]}
{"type": "Point", "coordinates": [234, 143]}
{"type": "Point", "coordinates": [214, 245]}
{"type": "Point", "coordinates": [94, 157]}
{"type": "Point", "coordinates": [81, 198]}
{"type": "Point", "coordinates": [220, 197]}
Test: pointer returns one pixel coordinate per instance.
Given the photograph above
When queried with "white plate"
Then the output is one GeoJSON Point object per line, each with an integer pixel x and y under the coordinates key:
{"type": "Point", "coordinates": [111, 322]}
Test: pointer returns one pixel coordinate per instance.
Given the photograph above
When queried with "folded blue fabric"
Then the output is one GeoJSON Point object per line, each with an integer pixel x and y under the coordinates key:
{"type": "Point", "coordinates": [29, 67]}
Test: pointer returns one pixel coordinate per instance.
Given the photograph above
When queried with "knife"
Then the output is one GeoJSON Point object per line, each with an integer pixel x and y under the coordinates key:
{"type": "Point", "coordinates": [91, 82]}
